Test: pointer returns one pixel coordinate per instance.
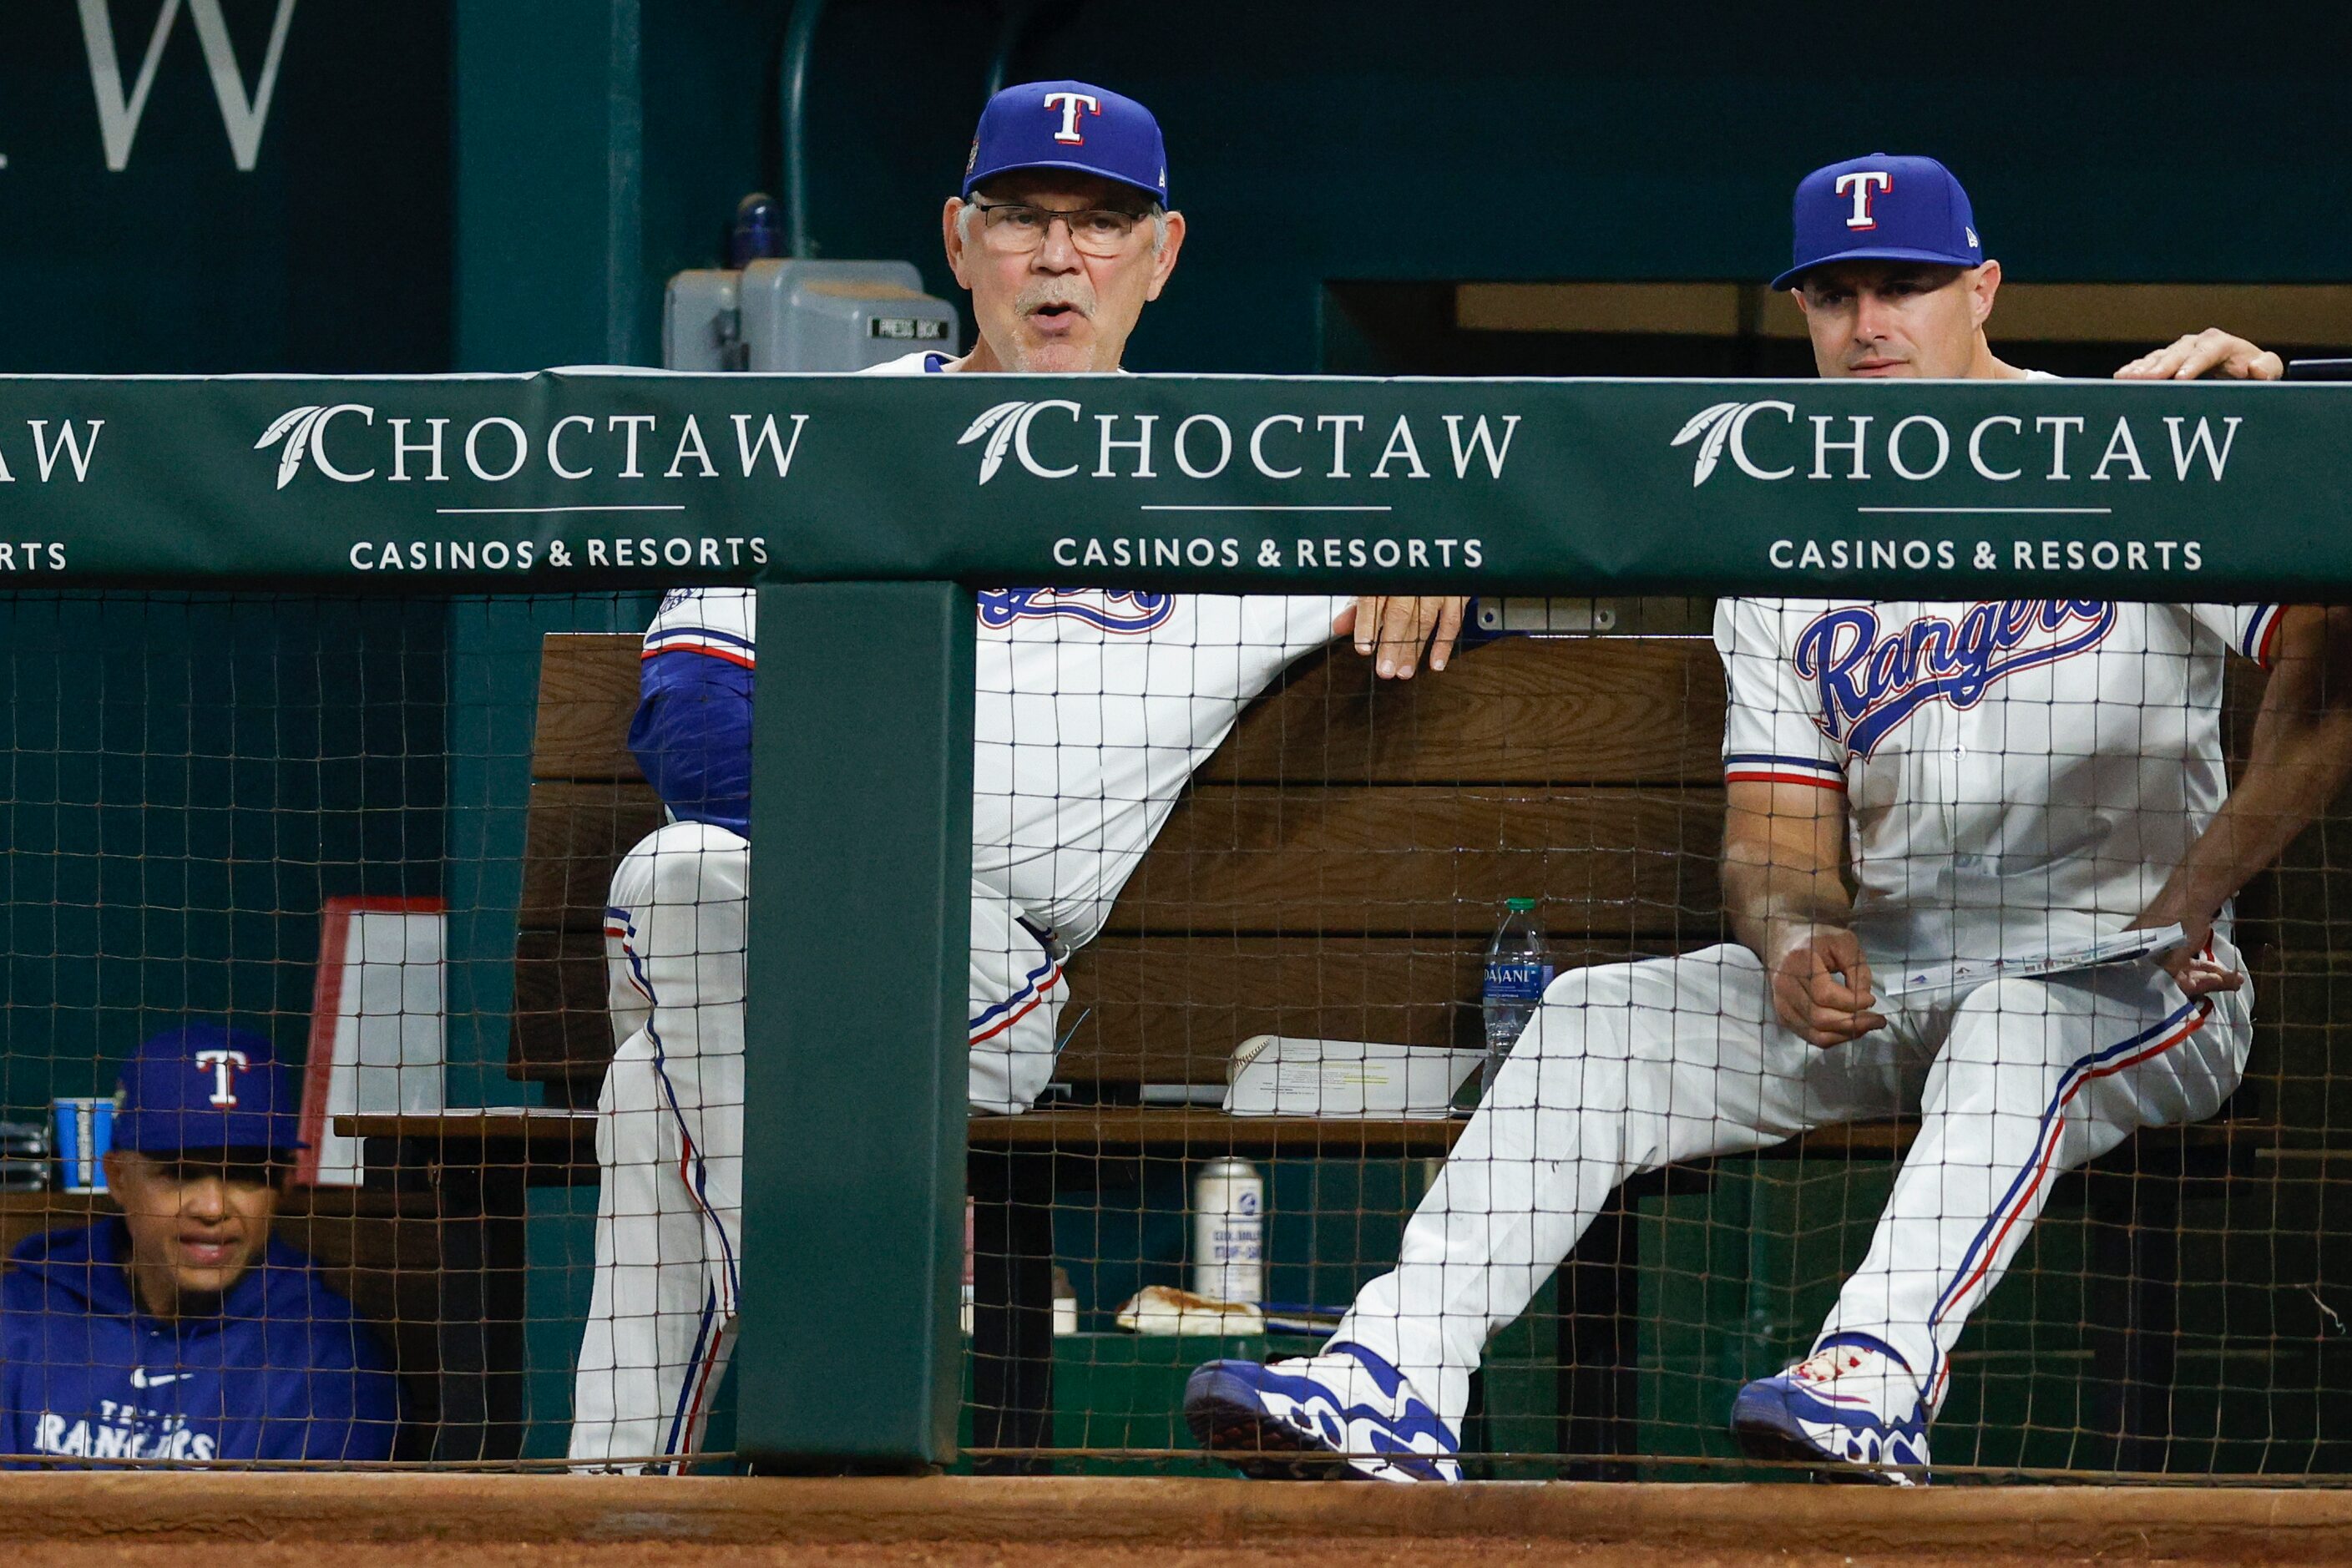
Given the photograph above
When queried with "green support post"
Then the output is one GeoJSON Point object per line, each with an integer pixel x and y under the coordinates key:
{"type": "Point", "coordinates": [853, 1073]}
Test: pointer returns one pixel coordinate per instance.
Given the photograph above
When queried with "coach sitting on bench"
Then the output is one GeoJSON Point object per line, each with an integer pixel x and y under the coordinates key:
{"type": "Point", "coordinates": [2019, 782]}
{"type": "Point", "coordinates": [178, 1330]}
{"type": "Point", "coordinates": [1093, 708]}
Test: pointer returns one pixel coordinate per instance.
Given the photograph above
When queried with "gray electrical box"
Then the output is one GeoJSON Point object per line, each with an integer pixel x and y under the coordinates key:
{"type": "Point", "coordinates": [803, 315]}
{"type": "Point", "coordinates": [702, 323]}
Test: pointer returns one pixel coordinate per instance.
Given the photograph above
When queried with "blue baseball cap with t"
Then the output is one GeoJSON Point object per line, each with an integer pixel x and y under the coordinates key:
{"type": "Point", "coordinates": [202, 1086]}
{"type": "Point", "coordinates": [1882, 208]}
{"type": "Point", "coordinates": [1068, 125]}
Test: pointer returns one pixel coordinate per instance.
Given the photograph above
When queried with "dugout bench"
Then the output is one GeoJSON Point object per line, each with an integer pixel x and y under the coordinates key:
{"type": "Point", "coordinates": [1336, 870]}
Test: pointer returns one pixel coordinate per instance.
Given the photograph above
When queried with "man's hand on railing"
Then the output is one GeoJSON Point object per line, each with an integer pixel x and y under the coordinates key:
{"type": "Point", "coordinates": [1392, 629]}
{"type": "Point", "coordinates": [2210, 352]}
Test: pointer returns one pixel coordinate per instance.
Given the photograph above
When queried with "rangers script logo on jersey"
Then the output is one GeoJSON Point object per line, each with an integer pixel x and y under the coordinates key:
{"type": "Point", "coordinates": [1120, 613]}
{"type": "Point", "coordinates": [1870, 684]}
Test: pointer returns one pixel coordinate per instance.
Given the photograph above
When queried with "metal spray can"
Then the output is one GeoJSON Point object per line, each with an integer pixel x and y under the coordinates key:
{"type": "Point", "coordinates": [1229, 1232]}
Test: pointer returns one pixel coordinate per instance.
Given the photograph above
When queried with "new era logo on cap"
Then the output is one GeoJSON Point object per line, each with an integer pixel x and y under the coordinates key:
{"type": "Point", "coordinates": [1883, 207]}
{"type": "Point", "coordinates": [1071, 125]}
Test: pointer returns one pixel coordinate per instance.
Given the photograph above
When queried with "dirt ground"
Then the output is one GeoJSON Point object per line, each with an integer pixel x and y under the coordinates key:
{"type": "Point", "coordinates": [326, 1521]}
{"type": "Point", "coordinates": [1305, 1551]}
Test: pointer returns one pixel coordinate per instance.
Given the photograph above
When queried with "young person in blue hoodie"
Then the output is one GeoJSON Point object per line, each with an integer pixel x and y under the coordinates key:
{"type": "Point", "coordinates": [179, 1330]}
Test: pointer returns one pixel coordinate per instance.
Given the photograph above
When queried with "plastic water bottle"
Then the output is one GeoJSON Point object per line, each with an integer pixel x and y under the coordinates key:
{"type": "Point", "coordinates": [1518, 970]}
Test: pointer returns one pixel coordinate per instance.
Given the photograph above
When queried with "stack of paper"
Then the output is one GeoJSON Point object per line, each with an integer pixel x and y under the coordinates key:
{"type": "Point", "coordinates": [1276, 1074]}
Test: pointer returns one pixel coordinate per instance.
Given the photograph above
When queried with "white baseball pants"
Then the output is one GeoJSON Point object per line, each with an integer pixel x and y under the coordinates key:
{"type": "Point", "coordinates": [1634, 1067]}
{"type": "Point", "coordinates": [1016, 1005]}
{"type": "Point", "coordinates": [669, 1138]}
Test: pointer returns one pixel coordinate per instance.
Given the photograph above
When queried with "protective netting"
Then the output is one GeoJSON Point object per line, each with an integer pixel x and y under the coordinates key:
{"type": "Point", "coordinates": [243, 828]}
{"type": "Point", "coordinates": [2025, 1201]}
{"type": "Point", "coordinates": [415, 849]}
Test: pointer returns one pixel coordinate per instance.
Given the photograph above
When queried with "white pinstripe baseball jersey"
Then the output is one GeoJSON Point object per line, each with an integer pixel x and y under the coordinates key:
{"type": "Point", "coordinates": [1094, 708]}
{"type": "Point", "coordinates": [2019, 774]}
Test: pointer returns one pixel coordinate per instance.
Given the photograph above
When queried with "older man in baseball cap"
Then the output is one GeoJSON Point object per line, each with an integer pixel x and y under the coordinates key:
{"type": "Point", "coordinates": [1093, 707]}
{"type": "Point", "coordinates": [1062, 180]}
{"type": "Point", "coordinates": [178, 1330]}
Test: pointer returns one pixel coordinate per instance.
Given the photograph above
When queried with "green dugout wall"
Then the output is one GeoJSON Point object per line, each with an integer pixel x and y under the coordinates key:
{"type": "Point", "coordinates": [865, 510]}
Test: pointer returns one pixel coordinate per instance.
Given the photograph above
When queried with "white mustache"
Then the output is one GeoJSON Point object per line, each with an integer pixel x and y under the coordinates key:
{"type": "Point", "coordinates": [1056, 292]}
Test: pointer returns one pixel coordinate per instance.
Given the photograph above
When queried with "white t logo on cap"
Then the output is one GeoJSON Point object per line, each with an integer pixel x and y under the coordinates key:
{"type": "Point", "coordinates": [1069, 103]}
{"type": "Point", "coordinates": [1862, 184]}
{"type": "Point", "coordinates": [223, 1063]}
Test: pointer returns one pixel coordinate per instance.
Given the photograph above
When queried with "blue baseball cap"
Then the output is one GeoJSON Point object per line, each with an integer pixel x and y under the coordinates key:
{"type": "Point", "coordinates": [202, 1086]}
{"type": "Point", "coordinates": [1882, 208]}
{"type": "Point", "coordinates": [1068, 125]}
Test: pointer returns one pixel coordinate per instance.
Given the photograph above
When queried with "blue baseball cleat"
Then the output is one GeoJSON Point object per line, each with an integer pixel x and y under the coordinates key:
{"type": "Point", "coordinates": [1827, 1408]}
{"type": "Point", "coordinates": [1346, 1414]}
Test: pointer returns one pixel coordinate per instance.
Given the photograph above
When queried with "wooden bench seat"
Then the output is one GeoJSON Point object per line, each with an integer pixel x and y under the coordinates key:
{"type": "Point", "coordinates": [1202, 1133]}
{"type": "Point", "coordinates": [1336, 870]}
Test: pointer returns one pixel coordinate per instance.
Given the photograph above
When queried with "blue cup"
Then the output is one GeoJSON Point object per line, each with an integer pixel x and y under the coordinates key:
{"type": "Point", "coordinates": [85, 1132]}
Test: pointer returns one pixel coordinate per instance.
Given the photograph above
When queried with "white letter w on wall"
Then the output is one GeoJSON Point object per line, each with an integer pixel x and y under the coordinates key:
{"type": "Point", "coordinates": [118, 116]}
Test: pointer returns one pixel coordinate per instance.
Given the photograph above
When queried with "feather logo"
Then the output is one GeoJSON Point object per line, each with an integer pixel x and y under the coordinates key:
{"type": "Point", "coordinates": [1714, 422]}
{"type": "Point", "coordinates": [1003, 419]}
{"type": "Point", "coordinates": [1006, 426]}
{"type": "Point", "coordinates": [298, 429]}
{"type": "Point", "coordinates": [1721, 424]}
{"type": "Point", "coordinates": [980, 427]}
{"type": "Point", "coordinates": [293, 427]}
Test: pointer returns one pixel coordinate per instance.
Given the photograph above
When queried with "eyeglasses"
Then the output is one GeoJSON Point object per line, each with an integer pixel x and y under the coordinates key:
{"type": "Point", "coordinates": [1016, 228]}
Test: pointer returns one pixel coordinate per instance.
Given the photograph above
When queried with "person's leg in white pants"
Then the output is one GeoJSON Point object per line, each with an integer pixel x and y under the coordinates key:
{"type": "Point", "coordinates": [661, 1322]}
{"type": "Point", "coordinates": [1625, 1069]}
{"type": "Point", "coordinates": [2034, 1077]}
{"type": "Point", "coordinates": [669, 1140]}
{"type": "Point", "coordinates": [1016, 997]}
